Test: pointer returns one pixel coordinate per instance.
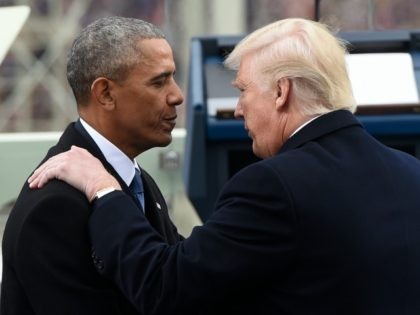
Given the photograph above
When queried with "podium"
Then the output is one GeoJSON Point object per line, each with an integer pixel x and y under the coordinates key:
{"type": "Point", "coordinates": [217, 146]}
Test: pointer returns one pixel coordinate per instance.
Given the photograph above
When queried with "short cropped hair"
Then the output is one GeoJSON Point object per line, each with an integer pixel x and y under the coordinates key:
{"type": "Point", "coordinates": [308, 54]}
{"type": "Point", "coordinates": [109, 47]}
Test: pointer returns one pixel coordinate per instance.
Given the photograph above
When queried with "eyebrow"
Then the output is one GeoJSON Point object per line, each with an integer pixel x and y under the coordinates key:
{"type": "Point", "coordinates": [237, 83]}
{"type": "Point", "coordinates": [162, 75]}
{"type": "Point", "coordinates": [240, 84]}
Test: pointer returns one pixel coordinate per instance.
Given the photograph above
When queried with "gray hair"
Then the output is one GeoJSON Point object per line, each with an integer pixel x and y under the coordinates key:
{"type": "Point", "coordinates": [109, 47]}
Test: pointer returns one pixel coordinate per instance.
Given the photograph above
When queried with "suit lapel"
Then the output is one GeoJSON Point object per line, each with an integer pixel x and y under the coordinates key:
{"type": "Point", "coordinates": [152, 211]}
{"type": "Point", "coordinates": [157, 210]}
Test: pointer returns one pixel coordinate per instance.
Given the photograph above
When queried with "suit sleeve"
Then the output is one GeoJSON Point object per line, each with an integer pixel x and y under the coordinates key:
{"type": "Point", "coordinates": [251, 234]}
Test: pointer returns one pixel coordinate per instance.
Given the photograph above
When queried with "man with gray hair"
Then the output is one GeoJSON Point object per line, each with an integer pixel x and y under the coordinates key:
{"type": "Point", "coordinates": [327, 223]}
{"type": "Point", "coordinates": [121, 71]}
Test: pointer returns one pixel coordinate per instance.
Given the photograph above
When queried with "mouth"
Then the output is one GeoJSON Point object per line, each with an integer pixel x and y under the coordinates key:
{"type": "Point", "coordinates": [171, 119]}
{"type": "Point", "coordinates": [170, 122]}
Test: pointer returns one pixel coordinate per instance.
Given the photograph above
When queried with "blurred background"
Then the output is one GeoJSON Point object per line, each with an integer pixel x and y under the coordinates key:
{"type": "Point", "coordinates": [36, 103]}
{"type": "Point", "coordinates": [34, 94]}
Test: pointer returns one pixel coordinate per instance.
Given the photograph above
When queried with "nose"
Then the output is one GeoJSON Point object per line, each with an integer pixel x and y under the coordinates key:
{"type": "Point", "coordinates": [238, 111]}
{"type": "Point", "coordinates": [175, 97]}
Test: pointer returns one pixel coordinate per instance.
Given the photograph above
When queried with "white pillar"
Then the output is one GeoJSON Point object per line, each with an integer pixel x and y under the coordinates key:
{"type": "Point", "coordinates": [229, 17]}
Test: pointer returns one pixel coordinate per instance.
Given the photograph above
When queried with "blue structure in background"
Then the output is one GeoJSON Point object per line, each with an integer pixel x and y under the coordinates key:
{"type": "Point", "coordinates": [217, 148]}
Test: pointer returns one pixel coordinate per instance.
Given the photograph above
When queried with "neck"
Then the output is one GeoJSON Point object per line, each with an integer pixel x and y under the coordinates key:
{"type": "Point", "coordinates": [103, 127]}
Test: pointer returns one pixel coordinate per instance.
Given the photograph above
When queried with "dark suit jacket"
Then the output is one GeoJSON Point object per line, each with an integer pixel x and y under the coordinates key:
{"type": "Point", "coordinates": [47, 259]}
{"type": "Point", "coordinates": [329, 226]}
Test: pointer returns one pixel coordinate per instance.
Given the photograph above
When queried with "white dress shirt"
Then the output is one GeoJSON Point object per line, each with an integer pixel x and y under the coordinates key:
{"type": "Point", "coordinates": [122, 164]}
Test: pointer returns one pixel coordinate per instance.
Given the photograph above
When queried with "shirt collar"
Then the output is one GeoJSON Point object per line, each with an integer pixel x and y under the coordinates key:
{"type": "Point", "coordinates": [122, 164]}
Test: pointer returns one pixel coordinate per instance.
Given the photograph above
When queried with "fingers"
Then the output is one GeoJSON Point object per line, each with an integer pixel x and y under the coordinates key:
{"type": "Point", "coordinates": [52, 168]}
{"type": "Point", "coordinates": [78, 168]}
{"type": "Point", "coordinates": [41, 179]}
{"type": "Point", "coordinates": [44, 173]}
{"type": "Point", "coordinates": [33, 180]}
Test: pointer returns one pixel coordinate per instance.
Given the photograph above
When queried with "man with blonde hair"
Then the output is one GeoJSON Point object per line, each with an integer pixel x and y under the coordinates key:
{"type": "Point", "coordinates": [327, 223]}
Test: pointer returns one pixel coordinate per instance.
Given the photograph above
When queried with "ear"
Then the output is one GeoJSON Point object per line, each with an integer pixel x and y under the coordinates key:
{"type": "Point", "coordinates": [102, 92]}
{"type": "Point", "coordinates": [283, 90]}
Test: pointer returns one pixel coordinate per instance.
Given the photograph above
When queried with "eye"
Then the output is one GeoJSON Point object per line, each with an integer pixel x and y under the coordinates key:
{"type": "Point", "coordinates": [159, 83]}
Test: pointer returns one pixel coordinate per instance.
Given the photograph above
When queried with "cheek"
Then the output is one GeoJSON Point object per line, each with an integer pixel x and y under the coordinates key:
{"type": "Point", "coordinates": [258, 119]}
{"type": "Point", "coordinates": [264, 133]}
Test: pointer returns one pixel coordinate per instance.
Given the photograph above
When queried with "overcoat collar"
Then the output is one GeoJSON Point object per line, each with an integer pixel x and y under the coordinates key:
{"type": "Point", "coordinates": [321, 126]}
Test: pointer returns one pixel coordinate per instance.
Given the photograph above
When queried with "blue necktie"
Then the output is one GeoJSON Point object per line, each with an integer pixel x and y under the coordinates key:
{"type": "Point", "coordinates": [136, 188]}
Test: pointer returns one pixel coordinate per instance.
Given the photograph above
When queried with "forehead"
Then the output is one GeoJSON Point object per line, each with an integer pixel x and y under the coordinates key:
{"type": "Point", "coordinates": [155, 57]}
{"type": "Point", "coordinates": [243, 76]}
{"type": "Point", "coordinates": [244, 70]}
{"type": "Point", "coordinates": [155, 49]}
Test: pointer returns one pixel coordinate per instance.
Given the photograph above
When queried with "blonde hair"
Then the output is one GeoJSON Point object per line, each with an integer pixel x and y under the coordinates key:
{"type": "Point", "coordinates": [305, 52]}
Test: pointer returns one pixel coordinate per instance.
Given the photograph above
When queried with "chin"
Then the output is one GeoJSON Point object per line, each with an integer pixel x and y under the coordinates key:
{"type": "Point", "coordinates": [256, 152]}
{"type": "Point", "coordinates": [165, 141]}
